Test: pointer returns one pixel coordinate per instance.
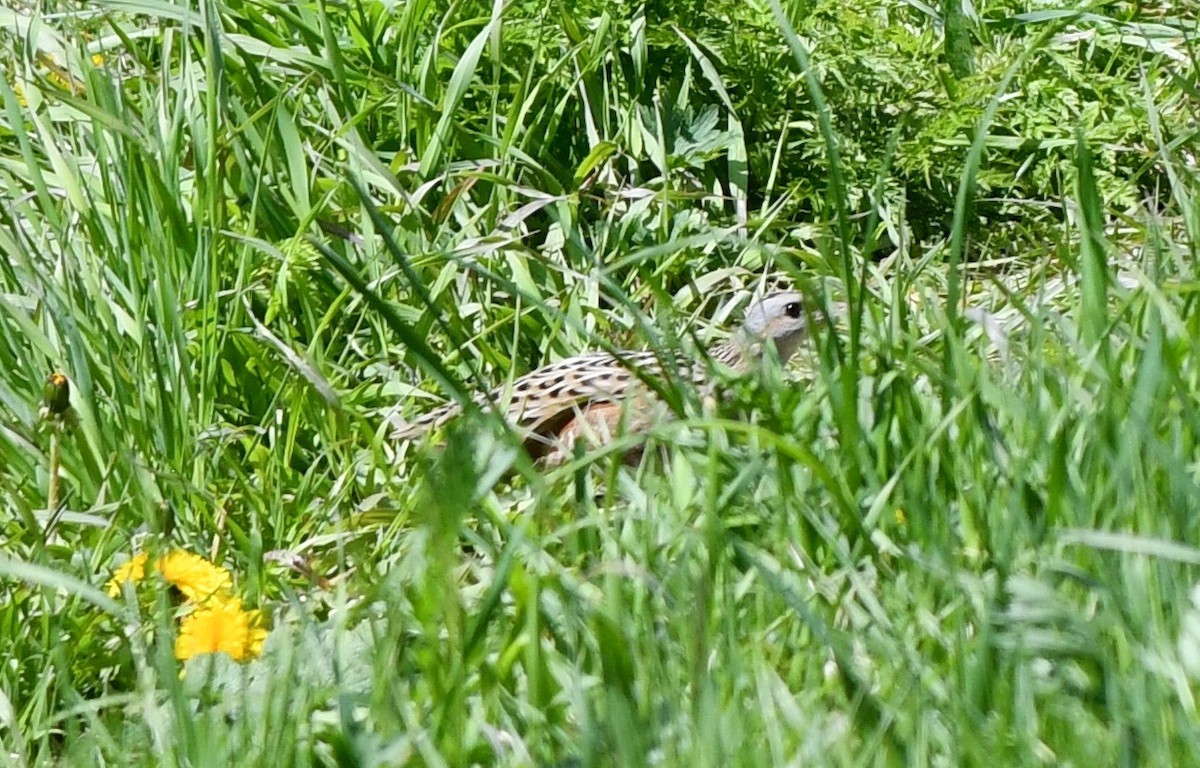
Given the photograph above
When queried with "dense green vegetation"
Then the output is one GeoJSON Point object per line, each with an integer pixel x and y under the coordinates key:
{"type": "Point", "coordinates": [961, 530]}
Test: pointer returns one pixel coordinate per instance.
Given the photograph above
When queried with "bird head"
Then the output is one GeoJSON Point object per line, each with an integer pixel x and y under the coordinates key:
{"type": "Point", "coordinates": [778, 318]}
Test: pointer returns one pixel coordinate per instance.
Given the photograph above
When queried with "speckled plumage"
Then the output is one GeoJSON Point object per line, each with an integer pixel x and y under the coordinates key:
{"type": "Point", "coordinates": [596, 394]}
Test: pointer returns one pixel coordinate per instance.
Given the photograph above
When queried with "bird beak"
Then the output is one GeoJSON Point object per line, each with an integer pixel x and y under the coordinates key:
{"type": "Point", "coordinates": [832, 313]}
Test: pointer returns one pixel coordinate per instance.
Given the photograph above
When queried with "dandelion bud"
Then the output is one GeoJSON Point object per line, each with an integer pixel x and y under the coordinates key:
{"type": "Point", "coordinates": [56, 394]}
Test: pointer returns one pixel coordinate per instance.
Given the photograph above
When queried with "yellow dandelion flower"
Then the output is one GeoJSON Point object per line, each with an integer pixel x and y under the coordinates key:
{"type": "Point", "coordinates": [133, 569]}
{"type": "Point", "coordinates": [221, 626]}
{"type": "Point", "coordinates": [98, 59]}
{"type": "Point", "coordinates": [194, 576]}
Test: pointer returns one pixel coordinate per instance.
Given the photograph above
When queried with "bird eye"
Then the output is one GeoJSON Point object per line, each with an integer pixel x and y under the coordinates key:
{"type": "Point", "coordinates": [793, 309]}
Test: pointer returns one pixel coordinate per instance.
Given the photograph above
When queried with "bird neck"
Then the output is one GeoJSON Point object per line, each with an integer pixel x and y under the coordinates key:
{"type": "Point", "coordinates": [735, 353]}
{"type": "Point", "coordinates": [742, 351]}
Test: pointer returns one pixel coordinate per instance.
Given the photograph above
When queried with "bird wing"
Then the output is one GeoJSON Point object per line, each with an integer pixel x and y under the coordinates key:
{"type": "Point", "coordinates": [540, 400]}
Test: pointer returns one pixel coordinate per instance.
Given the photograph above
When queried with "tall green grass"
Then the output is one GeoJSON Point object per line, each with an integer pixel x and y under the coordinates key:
{"type": "Point", "coordinates": [960, 530]}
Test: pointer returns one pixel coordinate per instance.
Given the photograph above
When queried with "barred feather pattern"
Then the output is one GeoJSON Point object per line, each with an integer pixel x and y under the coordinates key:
{"type": "Point", "coordinates": [592, 395]}
{"type": "Point", "coordinates": [544, 395]}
